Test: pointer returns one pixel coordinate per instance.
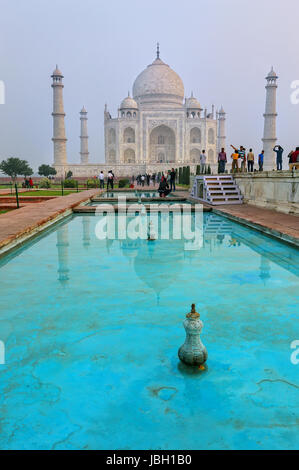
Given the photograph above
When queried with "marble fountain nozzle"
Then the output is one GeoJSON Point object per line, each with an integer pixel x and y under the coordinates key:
{"type": "Point", "coordinates": [193, 352]}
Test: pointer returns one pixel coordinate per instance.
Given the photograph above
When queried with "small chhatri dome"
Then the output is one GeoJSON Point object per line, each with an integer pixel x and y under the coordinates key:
{"type": "Point", "coordinates": [57, 72]}
{"type": "Point", "coordinates": [158, 83]}
{"type": "Point", "coordinates": [83, 110]}
{"type": "Point", "coordinates": [128, 103]}
{"type": "Point", "coordinates": [192, 103]}
{"type": "Point", "coordinates": [272, 74]}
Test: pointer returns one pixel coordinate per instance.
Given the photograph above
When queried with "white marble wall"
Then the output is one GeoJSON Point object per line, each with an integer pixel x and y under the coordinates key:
{"type": "Point", "coordinates": [273, 190]}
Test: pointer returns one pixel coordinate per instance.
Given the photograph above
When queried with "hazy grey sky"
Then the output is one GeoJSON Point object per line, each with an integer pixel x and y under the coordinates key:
{"type": "Point", "coordinates": [222, 49]}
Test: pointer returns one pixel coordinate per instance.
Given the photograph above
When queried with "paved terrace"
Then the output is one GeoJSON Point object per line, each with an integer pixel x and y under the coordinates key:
{"type": "Point", "coordinates": [277, 224]}
{"type": "Point", "coordinates": [15, 226]}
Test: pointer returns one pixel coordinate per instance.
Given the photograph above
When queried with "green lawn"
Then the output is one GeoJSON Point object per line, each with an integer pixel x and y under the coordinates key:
{"type": "Point", "coordinates": [44, 192]}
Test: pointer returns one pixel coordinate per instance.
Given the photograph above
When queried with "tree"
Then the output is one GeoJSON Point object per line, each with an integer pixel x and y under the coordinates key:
{"type": "Point", "coordinates": [68, 175]}
{"type": "Point", "coordinates": [46, 170]}
{"type": "Point", "coordinates": [180, 175]}
{"type": "Point", "coordinates": [27, 171]}
{"type": "Point", "coordinates": [14, 167]}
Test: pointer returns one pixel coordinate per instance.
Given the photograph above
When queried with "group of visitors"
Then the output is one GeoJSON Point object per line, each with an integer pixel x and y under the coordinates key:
{"type": "Point", "coordinates": [242, 161]}
{"type": "Point", "coordinates": [167, 183]}
{"type": "Point", "coordinates": [27, 183]}
{"type": "Point", "coordinates": [142, 180]}
{"type": "Point", "coordinates": [110, 180]}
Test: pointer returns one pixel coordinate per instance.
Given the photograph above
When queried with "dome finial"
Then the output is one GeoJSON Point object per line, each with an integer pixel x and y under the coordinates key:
{"type": "Point", "coordinates": [158, 50]}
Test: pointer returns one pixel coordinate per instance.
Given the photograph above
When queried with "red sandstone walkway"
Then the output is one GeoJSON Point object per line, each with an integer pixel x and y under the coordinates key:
{"type": "Point", "coordinates": [284, 226]}
{"type": "Point", "coordinates": [16, 224]}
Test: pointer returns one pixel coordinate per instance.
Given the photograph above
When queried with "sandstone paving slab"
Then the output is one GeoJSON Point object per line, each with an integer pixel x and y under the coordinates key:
{"type": "Point", "coordinates": [17, 223]}
{"type": "Point", "coordinates": [284, 226]}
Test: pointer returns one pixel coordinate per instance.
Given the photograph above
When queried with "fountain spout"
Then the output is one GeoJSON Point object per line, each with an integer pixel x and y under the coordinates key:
{"type": "Point", "coordinates": [193, 352]}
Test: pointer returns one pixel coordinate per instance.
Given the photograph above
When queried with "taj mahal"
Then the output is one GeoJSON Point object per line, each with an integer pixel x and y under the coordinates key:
{"type": "Point", "coordinates": [155, 129]}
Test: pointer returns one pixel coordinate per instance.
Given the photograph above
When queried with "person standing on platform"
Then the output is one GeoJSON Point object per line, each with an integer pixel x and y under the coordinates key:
{"type": "Point", "coordinates": [222, 160]}
{"type": "Point", "coordinates": [261, 160]}
{"type": "Point", "coordinates": [203, 159]}
{"type": "Point", "coordinates": [279, 151]}
{"type": "Point", "coordinates": [235, 157]}
{"type": "Point", "coordinates": [250, 161]}
{"type": "Point", "coordinates": [242, 156]}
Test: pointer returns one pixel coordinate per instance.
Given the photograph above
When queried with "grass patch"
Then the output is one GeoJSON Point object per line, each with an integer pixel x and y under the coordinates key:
{"type": "Point", "coordinates": [43, 192]}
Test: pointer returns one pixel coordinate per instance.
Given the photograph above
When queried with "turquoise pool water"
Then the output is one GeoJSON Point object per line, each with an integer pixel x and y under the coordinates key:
{"type": "Point", "coordinates": [137, 194]}
{"type": "Point", "coordinates": [161, 201]}
{"type": "Point", "coordinates": [92, 329]}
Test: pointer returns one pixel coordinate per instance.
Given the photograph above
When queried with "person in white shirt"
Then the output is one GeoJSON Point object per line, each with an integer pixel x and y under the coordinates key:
{"type": "Point", "coordinates": [110, 180]}
{"type": "Point", "coordinates": [203, 159]}
{"type": "Point", "coordinates": [102, 180]}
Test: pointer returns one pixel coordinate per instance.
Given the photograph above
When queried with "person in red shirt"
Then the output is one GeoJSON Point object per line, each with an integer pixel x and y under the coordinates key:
{"type": "Point", "coordinates": [30, 183]}
{"type": "Point", "coordinates": [295, 156]}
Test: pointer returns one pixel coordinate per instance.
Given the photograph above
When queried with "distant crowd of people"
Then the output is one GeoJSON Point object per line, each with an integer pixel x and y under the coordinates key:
{"type": "Point", "coordinates": [165, 181]}
{"type": "Point", "coordinates": [245, 161]}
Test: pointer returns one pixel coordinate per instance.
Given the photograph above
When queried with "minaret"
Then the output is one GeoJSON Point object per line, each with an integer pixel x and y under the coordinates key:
{"type": "Point", "coordinates": [221, 129]}
{"type": "Point", "coordinates": [269, 139]}
{"type": "Point", "coordinates": [86, 231]}
{"type": "Point", "coordinates": [84, 137]}
{"type": "Point", "coordinates": [62, 248]}
{"type": "Point", "coordinates": [58, 114]}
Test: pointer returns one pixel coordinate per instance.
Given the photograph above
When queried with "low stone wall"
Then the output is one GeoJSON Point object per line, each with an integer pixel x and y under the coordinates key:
{"type": "Point", "coordinates": [274, 190]}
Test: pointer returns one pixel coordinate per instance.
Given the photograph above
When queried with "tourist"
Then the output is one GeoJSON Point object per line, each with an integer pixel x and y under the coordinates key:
{"type": "Point", "coordinates": [142, 180]}
{"type": "Point", "coordinates": [261, 161]}
{"type": "Point", "coordinates": [154, 179]}
{"type": "Point", "coordinates": [279, 151]}
{"type": "Point", "coordinates": [290, 156]}
{"type": "Point", "coordinates": [203, 159]}
{"type": "Point", "coordinates": [242, 156]}
{"type": "Point", "coordinates": [102, 180]}
{"type": "Point", "coordinates": [295, 156]}
{"type": "Point", "coordinates": [163, 187]}
{"type": "Point", "coordinates": [110, 180]}
{"type": "Point", "coordinates": [250, 161]}
{"type": "Point", "coordinates": [235, 157]}
{"type": "Point", "coordinates": [30, 183]}
{"type": "Point", "coordinates": [222, 160]}
{"type": "Point", "coordinates": [172, 179]}
{"type": "Point", "coordinates": [148, 179]}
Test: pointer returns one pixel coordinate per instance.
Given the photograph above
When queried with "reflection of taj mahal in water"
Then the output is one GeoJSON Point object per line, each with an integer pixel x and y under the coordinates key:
{"type": "Point", "coordinates": [218, 233]}
{"type": "Point", "coordinates": [153, 130]}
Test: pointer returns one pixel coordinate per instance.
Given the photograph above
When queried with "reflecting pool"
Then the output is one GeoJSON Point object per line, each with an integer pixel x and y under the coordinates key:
{"type": "Point", "coordinates": [92, 328]}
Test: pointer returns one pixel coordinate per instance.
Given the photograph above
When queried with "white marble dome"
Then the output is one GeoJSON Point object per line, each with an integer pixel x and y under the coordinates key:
{"type": "Point", "coordinates": [158, 83]}
{"type": "Point", "coordinates": [128, 103]}
{"type": "Point", "coordinates": [192, 103]}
